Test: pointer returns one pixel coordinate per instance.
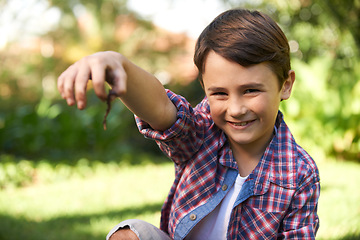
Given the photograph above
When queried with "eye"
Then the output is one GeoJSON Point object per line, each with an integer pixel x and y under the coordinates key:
{"type": "Point", "coordinates": [252, 90]}
{"type": "Point", "coordinates": [219, 93]}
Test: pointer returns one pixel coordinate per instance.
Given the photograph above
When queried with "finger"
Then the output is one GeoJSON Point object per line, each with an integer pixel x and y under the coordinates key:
{"type": "Point", "coordinates": [81, 81]}
{"type": "Point", "coordinates": [69, 73]}
{"type": "Point", "coordinates": [119, 79]}
{"type": "Point", "coordinates": [68, 85]}
{"type": "Point", "coordinates": [98, 80]}
{"type": "Point", "coordinates": [60, 84]}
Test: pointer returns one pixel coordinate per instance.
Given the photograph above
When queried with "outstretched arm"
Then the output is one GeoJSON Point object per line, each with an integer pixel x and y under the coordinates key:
{"type": "Point", "coordinates": [140, 91]}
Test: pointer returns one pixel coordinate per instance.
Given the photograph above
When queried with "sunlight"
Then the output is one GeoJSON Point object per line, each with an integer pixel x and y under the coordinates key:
{"type": "Point", "coordinates": [20, 20]}
{"type": "Point", "coordinates": [187, 16]}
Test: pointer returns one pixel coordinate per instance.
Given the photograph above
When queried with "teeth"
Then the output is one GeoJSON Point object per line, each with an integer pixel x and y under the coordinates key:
{"type": "Point", "coordinates": [241, 124]}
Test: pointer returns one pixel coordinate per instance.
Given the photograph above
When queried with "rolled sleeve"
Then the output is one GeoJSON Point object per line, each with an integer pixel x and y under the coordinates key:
{"type": "Point", "coordinates": [186, 135]}
{"type": "Point", "coordinates": [177, 128]}
{"type": "Point", "coordinates": [302, 221]}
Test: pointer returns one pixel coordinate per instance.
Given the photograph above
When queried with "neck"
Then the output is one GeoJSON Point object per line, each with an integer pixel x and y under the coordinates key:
{"type": "Point", "coordinates": [246, 162]}
{"type": "Point", "coordinates": [247, 157]}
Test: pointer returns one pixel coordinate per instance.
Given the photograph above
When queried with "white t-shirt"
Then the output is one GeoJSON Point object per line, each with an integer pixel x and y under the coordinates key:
{"type": "Point", "coordinates": [214, 226]}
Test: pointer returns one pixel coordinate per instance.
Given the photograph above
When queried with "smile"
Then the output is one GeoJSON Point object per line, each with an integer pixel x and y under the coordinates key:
{"type": "Point", "coordinates": [241, 124]}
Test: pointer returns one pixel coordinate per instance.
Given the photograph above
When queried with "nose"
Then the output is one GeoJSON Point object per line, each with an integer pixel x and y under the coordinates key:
{"type": "Point", "coordinates": [236, 107]}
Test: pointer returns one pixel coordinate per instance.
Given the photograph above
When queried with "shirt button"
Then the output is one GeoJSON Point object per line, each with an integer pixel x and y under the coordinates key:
{"type": "Point", "coordinates": [224, 187]}
{"type": "Point", "coordinates": [192, 217]}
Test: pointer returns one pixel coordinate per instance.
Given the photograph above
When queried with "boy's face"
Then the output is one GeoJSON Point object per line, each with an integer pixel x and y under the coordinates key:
{"type": "Point", "coordinates": [244, 101]}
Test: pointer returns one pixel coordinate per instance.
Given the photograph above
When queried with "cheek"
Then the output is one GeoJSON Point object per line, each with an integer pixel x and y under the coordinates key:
{"type": "Point", "coordinates": [265, 106]}
{"type": "Point", "coordinates": [257, 104]}
{"type": "Point", "coordinates": [216, 109]}
{"type": "Point", "coordinates": [268, 108]}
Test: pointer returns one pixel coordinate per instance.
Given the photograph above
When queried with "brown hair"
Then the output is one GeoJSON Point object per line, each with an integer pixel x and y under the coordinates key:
{"type": "Point", "coordinates": [245, 37]}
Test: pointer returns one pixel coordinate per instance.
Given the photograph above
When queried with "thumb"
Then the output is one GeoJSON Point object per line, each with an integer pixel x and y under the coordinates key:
{"type": "Point", "coordinates": [117, 79]}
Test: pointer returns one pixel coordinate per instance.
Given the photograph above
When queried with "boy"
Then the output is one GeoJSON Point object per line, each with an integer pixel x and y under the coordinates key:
{"type": "Point", "coordinates": [239, 172]}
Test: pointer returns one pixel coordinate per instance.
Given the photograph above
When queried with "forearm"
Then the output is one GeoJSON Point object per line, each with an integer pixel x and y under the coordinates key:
{"type": "Point", "coordinates": [146, 97]}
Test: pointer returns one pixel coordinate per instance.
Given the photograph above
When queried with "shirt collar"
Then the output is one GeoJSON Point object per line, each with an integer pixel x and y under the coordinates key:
{"type": "Point", "coordinates": [277, 164]}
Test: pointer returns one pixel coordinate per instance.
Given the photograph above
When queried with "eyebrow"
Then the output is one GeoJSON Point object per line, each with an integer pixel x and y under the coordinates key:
{"type": "Point", "coordinates": [252, 85]}
{"type": "Point", "coordinates": [244, 86]}
{"type": "Point", "coordinates": [216, 89]}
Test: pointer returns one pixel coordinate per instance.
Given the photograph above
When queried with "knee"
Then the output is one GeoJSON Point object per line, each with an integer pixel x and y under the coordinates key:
{"type": "Point", "coordinates": [134, 229]}
{"type": "Point", "coordinates": [124, 234]}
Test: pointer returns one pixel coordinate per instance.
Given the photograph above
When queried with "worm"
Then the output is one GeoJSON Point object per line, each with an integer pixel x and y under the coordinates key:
{"type": "Point", "coordinates": [108, 103]}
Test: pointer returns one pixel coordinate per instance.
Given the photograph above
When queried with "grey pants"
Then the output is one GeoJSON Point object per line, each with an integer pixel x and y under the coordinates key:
{"type": "Point", "coordinates": [144, 230]}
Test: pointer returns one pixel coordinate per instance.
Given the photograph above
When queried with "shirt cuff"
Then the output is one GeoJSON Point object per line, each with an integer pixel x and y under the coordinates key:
{"type": "Point", "coordinates": [177, 128]}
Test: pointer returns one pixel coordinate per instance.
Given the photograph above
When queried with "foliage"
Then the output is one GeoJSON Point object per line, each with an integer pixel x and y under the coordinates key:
{"type": "Point", "coordinates": [323, 112]}
{"type": "Point", "coordinates": [35, 123]}
{"type": "Point", "coordinates": [327, 64]}
{"type": "Point", "coordinates": [52, 129]}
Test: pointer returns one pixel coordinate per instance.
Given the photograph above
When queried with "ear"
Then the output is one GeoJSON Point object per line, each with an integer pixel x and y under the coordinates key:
{"type": "Point", "coordinates": [287, 86]}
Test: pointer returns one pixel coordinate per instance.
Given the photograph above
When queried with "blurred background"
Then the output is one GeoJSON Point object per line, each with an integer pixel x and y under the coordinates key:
{"type": "Point", "coordinates": [63, 176]}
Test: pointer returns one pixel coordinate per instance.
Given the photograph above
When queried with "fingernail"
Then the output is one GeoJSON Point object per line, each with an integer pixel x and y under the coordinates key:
{"type": "Point", "coordinates": [70, 102]}
{"type": "Point", "coordinates": [81, 105]}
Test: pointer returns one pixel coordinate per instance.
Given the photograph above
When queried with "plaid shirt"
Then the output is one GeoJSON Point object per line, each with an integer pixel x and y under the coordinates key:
{"type": "Point", "coordinates": [277, 201]}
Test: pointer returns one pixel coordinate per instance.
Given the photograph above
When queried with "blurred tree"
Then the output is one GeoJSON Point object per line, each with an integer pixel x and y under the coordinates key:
{"type": "Point", "coordinates": [31, 113]}
{"type": "Point", "coordinates": [324, 109]}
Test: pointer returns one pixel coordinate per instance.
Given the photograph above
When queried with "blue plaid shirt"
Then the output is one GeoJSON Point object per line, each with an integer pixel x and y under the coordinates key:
{"type": "Point", "coordinates": [277, 201]}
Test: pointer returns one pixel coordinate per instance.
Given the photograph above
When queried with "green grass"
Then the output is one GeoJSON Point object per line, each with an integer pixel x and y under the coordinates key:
{"type": "Point", "coordinates": [85, 207]}
{"type": "Point", "coordinates": [86, 203]}
{"type": "Point", "coordinates": [339, 205]}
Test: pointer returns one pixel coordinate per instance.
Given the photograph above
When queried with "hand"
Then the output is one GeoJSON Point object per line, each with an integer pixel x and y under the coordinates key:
{"type": "Point", "coordinates": [100, 68]}
{"type": "Point", "coordinates": [139, 90]}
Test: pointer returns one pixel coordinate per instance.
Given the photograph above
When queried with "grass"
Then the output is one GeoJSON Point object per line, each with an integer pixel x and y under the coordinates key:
{"type": "Point", "coordinates": [85, 205]}
{"type": "Point", "coordinates": [339, 205]}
